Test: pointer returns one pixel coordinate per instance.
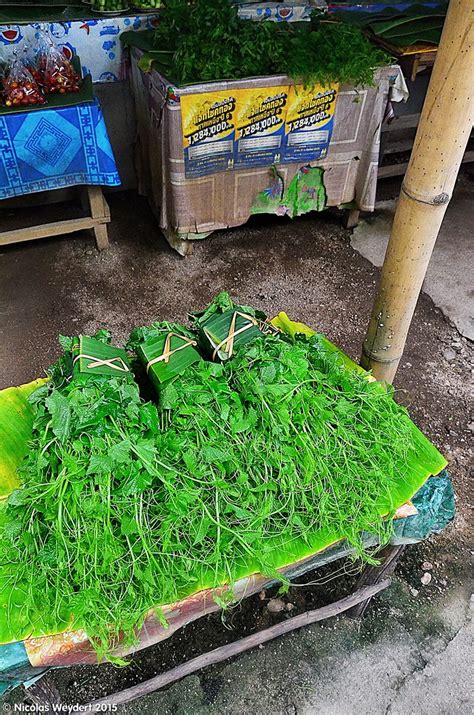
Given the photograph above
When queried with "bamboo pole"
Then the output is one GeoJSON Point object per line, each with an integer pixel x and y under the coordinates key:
{"type": "Point", "coordinates": [443, 132]}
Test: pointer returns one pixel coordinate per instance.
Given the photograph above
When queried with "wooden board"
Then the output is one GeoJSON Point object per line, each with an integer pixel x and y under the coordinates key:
{"type": "Point", "coordinates": [97, 220]}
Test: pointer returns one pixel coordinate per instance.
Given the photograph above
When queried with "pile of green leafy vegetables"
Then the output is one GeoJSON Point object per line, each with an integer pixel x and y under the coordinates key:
{"type": "Point", "coordinates": [205, 40]}
{"type": "Point", "coordinates": [237, 467]}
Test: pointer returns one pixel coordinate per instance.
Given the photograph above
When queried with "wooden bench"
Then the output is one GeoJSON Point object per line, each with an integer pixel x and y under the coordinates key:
{"type": "Point", "coordinates": [96, 220]}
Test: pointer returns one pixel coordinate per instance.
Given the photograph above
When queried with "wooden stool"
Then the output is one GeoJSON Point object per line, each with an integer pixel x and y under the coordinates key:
{"type": "Point", "coordinates": [97, 219]}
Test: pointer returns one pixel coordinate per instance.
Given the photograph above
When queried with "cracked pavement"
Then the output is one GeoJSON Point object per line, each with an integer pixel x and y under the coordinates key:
{"type": "Point", "coordinates": [445, 684]}
{"type": "Point", "coordinates": [337, 668]}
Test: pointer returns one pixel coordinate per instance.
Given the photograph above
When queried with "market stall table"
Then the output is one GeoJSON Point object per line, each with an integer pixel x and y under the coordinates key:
{"type": "Point", "coordinates": [428, 510]}
{"type": "Point", "coordinates": [53, 148]}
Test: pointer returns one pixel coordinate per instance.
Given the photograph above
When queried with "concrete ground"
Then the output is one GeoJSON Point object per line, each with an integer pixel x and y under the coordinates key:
{"type": "Point", "coordinates": [411, 654]}
{"type": "Point", "coordinates": [450, 276]}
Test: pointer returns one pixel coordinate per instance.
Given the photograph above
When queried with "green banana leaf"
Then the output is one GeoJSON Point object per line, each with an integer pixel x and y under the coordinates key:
{"type": "Point", "coordinates": [290, 327]}
{"type": "Point", "coordinates": [426, 460]}
{"type": "Point", "coordinates": [363, 18]}
{"type": "Point", "coordinates": [428, 37]}
{"type": "Point", "coordinates": [16, 420]}
{"type": "Point", "coordinates": [406, 23]}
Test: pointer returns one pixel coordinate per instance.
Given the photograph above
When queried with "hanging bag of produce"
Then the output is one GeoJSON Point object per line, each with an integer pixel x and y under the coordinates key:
{"type": "Point", "coordinates": [60, 76]}
{"type": "Point", "coordinates": [40, 55]}
{"type": "Point", "coordinates": [20, 88]}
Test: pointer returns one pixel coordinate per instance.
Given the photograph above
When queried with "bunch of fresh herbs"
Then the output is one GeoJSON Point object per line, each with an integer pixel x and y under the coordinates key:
{"type": "Point", "coordinates": [205, 40]}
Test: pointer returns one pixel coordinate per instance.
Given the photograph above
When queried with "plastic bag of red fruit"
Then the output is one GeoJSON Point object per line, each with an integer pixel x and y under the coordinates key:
{"type": "Point", "coordinates": [20, 89]}
{"type": "Point", "coordinates": [59, 75]}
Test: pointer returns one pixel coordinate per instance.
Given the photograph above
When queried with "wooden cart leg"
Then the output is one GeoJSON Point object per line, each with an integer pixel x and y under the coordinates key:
{"type": "Point", "coordinates": [100, 211]}
{"type": "Point", "coordinates": [181, 246]}
{"type": "Point", "coordinates": [350, 218]}
{"type": "Point", "coordinates": [373, 574]}
{"type": "Point", "coordinates": [414, 70]}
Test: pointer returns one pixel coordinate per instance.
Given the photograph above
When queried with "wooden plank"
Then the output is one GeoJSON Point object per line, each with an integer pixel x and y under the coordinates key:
{"type": "Point", "coordinates": [406, 121]}
{"type": "Point", "coordinates": [56, 228]}
{"type": "Point", "coordinates": [392, 170]}
{"type": "Point", "coordinates": [45, 693]}
{"type": "Point", "coordinates": [403, 52]}
{"type": "Point", "coordinates": [232, 649]}
{"type": "Point", "coordinates": [398, 169]}
{"type": "Point", "coordinates": [395, 147]}
{"type": "Point", "coordinates": [427, 58]}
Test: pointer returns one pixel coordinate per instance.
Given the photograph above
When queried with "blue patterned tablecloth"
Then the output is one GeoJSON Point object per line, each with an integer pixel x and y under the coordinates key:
{"type": "Point", "coordinates": [55, 148]}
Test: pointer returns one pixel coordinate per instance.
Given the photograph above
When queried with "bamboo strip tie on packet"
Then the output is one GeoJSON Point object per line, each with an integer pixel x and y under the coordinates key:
{"type": "Point", "coordinates": [168, 352]}
{"type": "Point", "coordinates": [228, 342]}
{"type": "Point", "coordinates": [122, 367]}
{"type": "Point", "coordinates": [103, 359]}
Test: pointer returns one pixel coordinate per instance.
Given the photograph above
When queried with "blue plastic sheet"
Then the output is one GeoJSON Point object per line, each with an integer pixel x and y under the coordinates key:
{"type": "Point", "coordinates": [435, 502]}
{"type": "Point", "coordinates": [55, 148]}
{"type": "Point", "coordinates": [15, 667]}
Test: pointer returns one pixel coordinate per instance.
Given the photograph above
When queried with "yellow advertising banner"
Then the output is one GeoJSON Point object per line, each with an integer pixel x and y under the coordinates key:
{"type": "Point", "coordinates": [256, 127]}
{"type": "Point", "coordinates": [208, 131]}
{"type": "Point", "coordinates": [309, 122]}
{"type": "Point", "coordinates": [260, 125]}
